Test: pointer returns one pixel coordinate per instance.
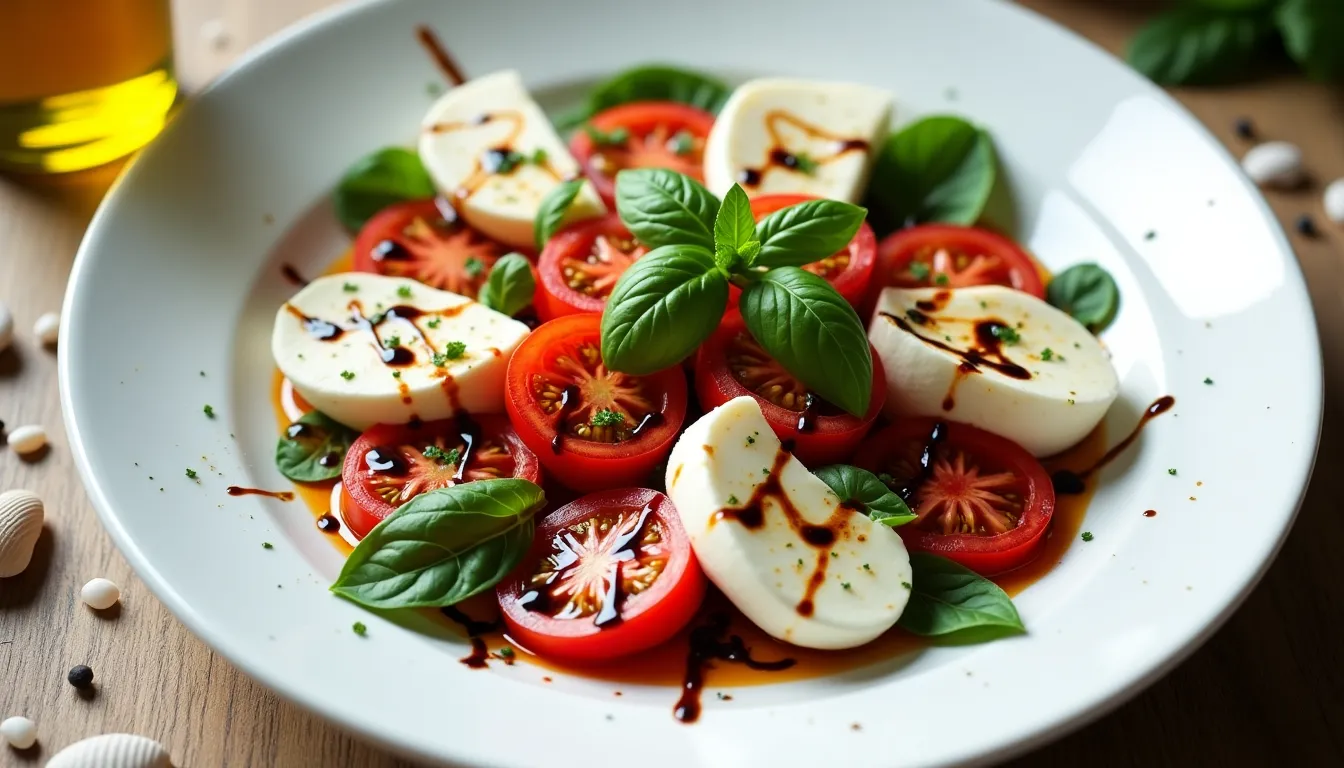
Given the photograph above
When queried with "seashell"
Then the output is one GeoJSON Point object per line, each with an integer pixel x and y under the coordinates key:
{"type": "Point", "coordinates": [1274, 164]}
{"type": "Point", "coordinates": [6, 327]}
{"type": "Point", "coordinates": [47, 329]}
{"type": "Point", "coordinates": [21, 516]}
{"type": "Point", "coordinates": [1334, 208]}
{"type": "Point", "coordinates": [30, 438]}
{"type": "Point", "coordinates": [112, 750]}
{"type": "Point", "coordinates": [19, 732]}
{"type": "Point", "coordinates": [100, 594]}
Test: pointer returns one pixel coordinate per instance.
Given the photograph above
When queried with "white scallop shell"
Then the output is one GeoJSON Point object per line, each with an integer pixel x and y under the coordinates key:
{"type": "Point", "coordinates": [112, 750]}
{"type": "Point", "coordinates": [21, 516]}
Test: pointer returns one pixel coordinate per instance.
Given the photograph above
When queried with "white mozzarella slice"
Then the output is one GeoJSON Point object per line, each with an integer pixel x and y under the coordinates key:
{"type": "Point", "coordinates": [357, 377]}
{"type": "Point", "coordinates": [777, 541]}
{"type": "Point", "coordinates": [1044, 383]}
{"type": "Point", "coordinates": [480, 143]}
{"type": "Point", "coordinates": [821, 135]}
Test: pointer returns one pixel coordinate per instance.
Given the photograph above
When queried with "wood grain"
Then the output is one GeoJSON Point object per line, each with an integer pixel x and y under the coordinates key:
{"type": "Point", "coordinates": [1266, 688]}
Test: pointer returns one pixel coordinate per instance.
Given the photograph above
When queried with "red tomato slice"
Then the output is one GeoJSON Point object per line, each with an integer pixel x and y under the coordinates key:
{"type": "Point", "coordinates": [653, 134]}
{"type": "Point", "coordinates": [956, 257]}
{"type": "Point", "coordinates": [608, 575]}
{"type": "Point", "coordinates": [592, 427]}
{"type": "Point", "coordinates": [390, 464]}
{"type": "Point", "coordinates": [982, 500]}
{"type": "Point", "coordinates": [731, 364]}
{"type": "Point", "coordinates": [848, 270]}
{"type": "Point", "coordinates": [582, 263]}
{"type": "Point", "coordinates": [424, 240]}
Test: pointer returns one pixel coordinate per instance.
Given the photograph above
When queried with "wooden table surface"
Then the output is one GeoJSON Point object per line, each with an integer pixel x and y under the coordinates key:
{"type": "Point", "coordinates": [1269, 686]}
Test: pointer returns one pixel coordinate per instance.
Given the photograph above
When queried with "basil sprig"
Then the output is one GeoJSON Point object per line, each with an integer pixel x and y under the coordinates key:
{"type": "Point", "coordinates": [859, 486]}
{"type": "Point", "coordinates": [299, 453]}
{"type": "Point", "coordinates": [955, 604]}
{"type": "Point", "coordinates": [375, 181]}
{"type": "Point", "coordinates": [939, 169]}
{"type": "Point", "coordinates": [551, 212]}
{"type": "Point", "coordinates": [510, 286]}
{"type": "Point", "coordinates": [669, 301]}
{"type": "Point", "coordinates": [443, 546]}
{"type": "Point", "coordinates": [1086, 292]}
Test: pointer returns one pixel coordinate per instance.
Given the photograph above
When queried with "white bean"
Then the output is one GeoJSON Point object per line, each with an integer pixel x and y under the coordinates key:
{"type": "Point", "coordinates": [30, 438]}
{"type": "Point", "coordinates": [100, 594]}
{"type": "Point", "coordinates": [1274, 164]}
{"type": "Point", "coordinates": [48, 328]}
{"type": "Point", "coordinates": [1334, 201]}
{"type": "Point", "coordinates": [19, 732]}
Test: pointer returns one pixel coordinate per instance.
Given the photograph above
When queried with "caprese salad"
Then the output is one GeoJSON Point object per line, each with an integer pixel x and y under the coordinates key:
{"type": "Point", "coordinates": [748, 342]}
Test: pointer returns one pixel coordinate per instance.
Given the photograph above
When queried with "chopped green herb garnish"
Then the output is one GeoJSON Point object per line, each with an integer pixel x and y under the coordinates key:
{"type": "Point", "coordinates": [1047, 354]}
{"type": "Point", "coordinates": [616, 137]}
{"type": "Point", "coordinates": [732, 500]}
{"type": "Point", "coordinates": [359, 628]}
{"type": "Point", "coordinates": [788, 545]}
{"type": "Point", "coordinates": [191, 473]}
{"type": "Point", "coordinates": [1087, 535]}
{"type": "Point", "coordinates": [202, 373]}
{"type": "Point", "coordinates": [404, 291]}
{"type": "Point", "coordinates": [800, 561]}
{"type": "Point", "coordinates": [267, 545]}
{"type": "Point", "coordinates": [506, 652]}
{"type": "Point", "coordinates": [906, 584]}
{"type": "Point", "coordinates": [866, 568]}
{"type": "Point", "coordinates": [347, 375]}
{"type": "Point", "coordinates": [435, 322]}
{"type": "Point", "coordinates": [681, 143]}
{"type": "Point", "coordinates": [1207, 380]}
{"type": "Point", "coordinates": [350, 288]}
{"type": "Point", "coordinates": [751, 440]}
{"type": "Point", "coordinates": [497, 161]}
{"type": "Point", "coordinates": [396, 374]}
{"type": "Point", "coordinates": [984, 305]}
{"type": "Point", "coordinates": [941, 279]}
{"type": "Point", "coordinates": [392, 342]}
{"type": "Point", "coordinates": [473, 267]}
{"type": "Point", "coordinates": [209, 410]}
{"type": "Point", "coordinates": [539, 157]}
{"type": "Point", "coordinates": [1171, 471]}
{"type": "Point", "coordinates": [1006, 334]}
{"type": "Point", "coordinates": [438, 454]}
{"type": "Point", "coordinates": [844, 584]}
{"type": "Point", "coordinates": [765, 471]}
{"type": "Point", "coordinates": [919, 270]}
{"type": "Point", "coordinates": [605, 417]}
{"type": "Point", "coordinates": [803, 163]}
{"type": "Point", "coordinates": [454, 350]}
{"type": "Point", "coordinates": [834, 555]}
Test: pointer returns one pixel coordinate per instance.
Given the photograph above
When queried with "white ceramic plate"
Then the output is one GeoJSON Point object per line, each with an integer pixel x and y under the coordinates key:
{"type": "Point", "coordinates": [179, 275]}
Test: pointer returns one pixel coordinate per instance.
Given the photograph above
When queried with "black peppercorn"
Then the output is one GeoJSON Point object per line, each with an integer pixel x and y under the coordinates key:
{"type": "Point", "coordinates": [1245, 128]}
{"type": "Point", "coordinates": [80, 676]}
{"type": "Point", "coordinates": [1306, 226]}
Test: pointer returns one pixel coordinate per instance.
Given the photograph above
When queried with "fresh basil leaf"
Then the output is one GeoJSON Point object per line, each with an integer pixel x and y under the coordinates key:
{"type": "Point", "coordinates": [662, 308]}
{"type": "Point", "coordinates": [1194, 45]}
{"type": "Point", "coordinates": [299, 453]}
{"type": "Point", "coordinates": [510, 286]}
{"type": "Point", "coordinates": [806, 232]}
{"type": "Point", "coordinates": [662, 207]}
{"type": "Point", "coordinates": [859, 486]}
{"type": "Point", "coordinates": [443, 546]}
{"type": "Point", "coordinates": [1234, 5]}
{"type": "Point", "coordinates": [814, 333]}
{"type": "Point", "coordinates": [1088, 293]}
{"type": "Point", "coordinates": [955, 603]}
{"type": "Point", "coordinates": [390, 175]}
{"type": "Point", "coordinates": [734, 226]}
{"type": "Point", "coordinates": [750, 251]}
{"type": "Point", "coordinates": [1313, 33]}
{"type": "Point", "coordinates": [941, 168]}
{"type": "Point", "coordinates": [551, 213]}
{"type": "Point", "coordinates": [657, 82]}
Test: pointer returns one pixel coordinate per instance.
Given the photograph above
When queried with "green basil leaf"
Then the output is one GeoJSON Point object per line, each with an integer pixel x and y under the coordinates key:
{"type": "Point", "coordinates": [510, 286]}
{"type": "Point", "coordinates": [806, 232]}
{"type": "Point", "coordinates": [955, 603]}
{"type": "Point", "coordinates": [662, 207]}
{"type": "Point", "coordinates": [941, 168]}
{"type": "Point", "coordinates": [1193, 45]}
{"type": "Point", "coordinates": [1088, 293]}
{"type": "Point", "coordinates": [814, 333]}
{"type": "Point", "coordinates": [390, 175]}
{"type": "Point", "coordinates": [1234, 5]}
{"type": "Point", "coordinates": [660, 83]}
{"type": "Point", "coordinates": [662, 308]}
{"type": "Point", "coordinates": [443, 546]}
{"type": "Point", "coordinates": [1313, 33]}
{"type": "Point", "coordinates": [551, 213]}
{"type": "Point", "coordinates": [299, 454]}
{"type": "Point", "coordinates": [859, 486]}
{"type": "Point", "coordinates": [734, 226]}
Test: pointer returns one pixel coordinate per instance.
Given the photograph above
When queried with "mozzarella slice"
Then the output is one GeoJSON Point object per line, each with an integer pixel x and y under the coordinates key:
{"type": "Point", "coordinates": [777, 541]}
{"type": "Point", "coordinates": [362, 373]}
{"type": "Point", "coordinates": [1044, 383]}
{"type": "Point", "coordinates": [480, 144]}
{"type": "Point", "coordinates": [805, 137]}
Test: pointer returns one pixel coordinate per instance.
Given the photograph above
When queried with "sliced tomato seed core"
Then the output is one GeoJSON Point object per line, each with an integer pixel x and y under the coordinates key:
{"type": "Point", "coordinates": [439, 253]}
{"type": "Point", "coordinates": [961, 268]}
{"type": "Point", "coordinates": [830, 266]}
{"type": "Point", "coordinates": [599, 389]}
{"type": "Point", "coordinates": [488, 460]}
{"type": "Point", "coordinates": [597, 274]}
{"type": "Point", "coordinates": [959, 498]}
{"type": "Point", "coordinates": [655, 149]}
{"type": "Point", "coordinates": [756, 370]}
{"type": "Point", "coordinates": [586, 558]}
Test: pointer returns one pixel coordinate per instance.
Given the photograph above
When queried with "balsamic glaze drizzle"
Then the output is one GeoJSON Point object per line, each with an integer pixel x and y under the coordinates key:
{"type": "Point", "coordinates": [1069, 482]}
{"type": "Point", "coordinates": [708, 643]}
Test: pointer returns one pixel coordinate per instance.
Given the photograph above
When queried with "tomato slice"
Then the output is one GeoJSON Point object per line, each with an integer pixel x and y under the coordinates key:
{"type": "Point", "coordinates": [581, 264]}
{"type": "Point", "coordinates": [952, 256]}
{"type": "Point", "coordinates": [731, 364]}
{"type": "Point", "coordinates": [424, 240]}
{"type": "Point", "coordinates": [642, 134]}
{"type": "Point", "coordinates": [390, 464]}
{"type": "Point", "coordinates": [608, 575]}
{"type": "Point", "coordinates": [590, 426]}
{"type": "Point", "coordinates": [981, 500]}
{"type": "Point", "coordinates": [848, 270]}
